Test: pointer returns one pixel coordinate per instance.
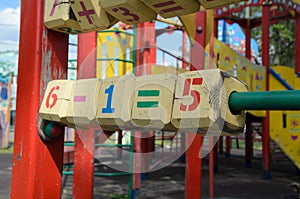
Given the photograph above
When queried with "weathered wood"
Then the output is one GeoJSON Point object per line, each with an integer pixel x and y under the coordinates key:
{"type": "Point", "coordinates": [56, 101]}
{"type": "Point", "coordinates": [173, 8]}
{"type": "Point", "coordinates": [128, 11]}
{"type": "Point", "coordinates": [201, 102]}
{"type": "Point", "coordinates": [91, 16]}
{"type": "Point", "coordinates": [116, 94]}
{"type": "Point", "coordinates": [60, 17]}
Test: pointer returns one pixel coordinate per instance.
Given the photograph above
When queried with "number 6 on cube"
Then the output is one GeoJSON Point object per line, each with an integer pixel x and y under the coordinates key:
{"type": "Point", "coordinates": [55, 104]}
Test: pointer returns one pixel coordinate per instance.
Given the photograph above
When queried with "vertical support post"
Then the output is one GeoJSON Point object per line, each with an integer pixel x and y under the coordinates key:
{"type": "Point", "coordinates": [193, 173]}
{"type": "Point", "coordinates": [248, 42]}
{"type": "Point", "coordinates": [215, 149]}
{"type": "Point", "coordinates": [43, 56]}
{"type": "Point", "coordinates": [265, 61]}
{"type": "Point", "coordinates": [297, 45]}
{"type": "Point", "coordinates": [249, 143]}
{"type": "Point", "coordinates": [198, 46]}
{"type": "Point", "coordinates": [145, 57]}
{"type": "Point", "coordinates": [85, 139]}
{"type": "Point", "coordinates": [183, 50]}
{"type": "Point", "coordinates": [211, 167]}
{"type": "Point", "coordinates": [228, 147]}
{"type": "Point", "coordinates": [221, 145]}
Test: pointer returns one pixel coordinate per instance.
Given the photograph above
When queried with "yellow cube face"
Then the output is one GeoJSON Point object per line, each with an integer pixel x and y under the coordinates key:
{"type": "Point", "coordinates": [153, 101]}
{"type": "Point", "coordinates": [84, 102]}
{"type": "Point", "coordinates": [201, 103]}
{"type": "Point", "coordinates": [128, 11]}
{"type": "Point", "coordinates": [55, 104]}
{"type": "Point", "coordinates": [191, 108]}
{"type": "Point", "coordinates": [172, 8]}
{"type": "Point", "coordinates": [208, 4]}
{"type": "Point", "coordinates": [59, 16]}
{"type": "Point", "coordinates": [91, 16]}
{"type": "Point", "coordinates": [115, 102]}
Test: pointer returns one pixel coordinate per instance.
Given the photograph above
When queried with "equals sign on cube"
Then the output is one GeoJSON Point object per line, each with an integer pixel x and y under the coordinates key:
{"type": "Point", "coordinates": [148, 94]}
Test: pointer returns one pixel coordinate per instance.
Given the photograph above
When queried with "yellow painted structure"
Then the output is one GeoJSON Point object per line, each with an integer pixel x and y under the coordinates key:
{"type": "Point", "coordinates": [285, 125]}
{"type": "Point", "coordinates": [114, 53]}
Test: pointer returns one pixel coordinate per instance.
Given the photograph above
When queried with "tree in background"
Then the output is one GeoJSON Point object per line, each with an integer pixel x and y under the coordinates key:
{"type": "Point", "coordinates": [282, 40]}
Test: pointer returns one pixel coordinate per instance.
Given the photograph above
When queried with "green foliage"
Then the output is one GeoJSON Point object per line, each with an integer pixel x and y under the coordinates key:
{"type": "Point", "coordinates": [282, 39]}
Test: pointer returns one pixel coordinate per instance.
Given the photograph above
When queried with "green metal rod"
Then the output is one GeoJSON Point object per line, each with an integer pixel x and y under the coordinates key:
{"type": "Point", "coordinates": [266, 100]}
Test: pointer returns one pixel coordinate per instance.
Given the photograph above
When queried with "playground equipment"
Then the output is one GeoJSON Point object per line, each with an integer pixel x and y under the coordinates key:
{"type": "Point", "coordinates": [74, 17]}
{"type": "Point", "coordinates": [37, 165]}
{"type": "Point", "coordinates": [148, 102]}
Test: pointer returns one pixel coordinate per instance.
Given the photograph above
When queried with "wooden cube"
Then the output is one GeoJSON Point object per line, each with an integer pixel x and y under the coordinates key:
{"type": "Point", "coordinates": [56, 101]}
{"type": "Point", "coordinates": [153, 101]}
{"type": "Point", "coordinates": [208, 4]}
{"type": "Point", "coordinates": [91, 16]}
{"type": "Point", "coordinates": [201, 103]}
{"type": "Point", "coordinates": [173, 8]}
{"type": "Point", "coordinates": [59, 16]}
{"type": "Point", "coordinates": [83, 104]}
{"type": "Point", "coordinates": [128, 11]}
{"type": "Point", "coordinates": [115, 102]}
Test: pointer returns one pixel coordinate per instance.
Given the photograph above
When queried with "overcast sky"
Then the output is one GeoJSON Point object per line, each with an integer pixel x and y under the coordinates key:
{"type": "Point", "coordinates": [9, 24]}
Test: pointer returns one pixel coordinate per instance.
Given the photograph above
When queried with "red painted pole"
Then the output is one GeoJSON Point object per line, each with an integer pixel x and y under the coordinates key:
{"type": "Point", "coordinates": [221, 145]}
{"type": "Point", "coordinates": [43, 56]}
{"type": "Point", "coordinates": [183, 50]}
{"type": "Point", "coordinates": [85, 139]}
{"type": "Point", "coordinates": [297, 45]}
{"type": "Point", "coordinates": [228, 146]}
{"type": "Point", "coordinates": [193, 173]}
{"type": "Point", "coordinates": [211, 168]}
{"type": "Point", "coordinates": [265, 62]}
{"type": "Point", "coordinates": [249, 143]}
{"type": "Point", "coordinates": [249, 138]}
{"type": "Point", "coordinates": [248, 43]}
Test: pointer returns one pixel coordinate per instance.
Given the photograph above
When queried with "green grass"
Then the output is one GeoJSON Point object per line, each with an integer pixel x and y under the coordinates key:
{"type": "Point", "coordinates": [8, 150]}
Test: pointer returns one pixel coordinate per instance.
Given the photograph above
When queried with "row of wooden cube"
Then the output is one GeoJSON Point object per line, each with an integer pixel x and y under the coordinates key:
{"type": "Point", "coordinates": [79, 16]}
{"type": "Point", "coordinates": [192, 101]}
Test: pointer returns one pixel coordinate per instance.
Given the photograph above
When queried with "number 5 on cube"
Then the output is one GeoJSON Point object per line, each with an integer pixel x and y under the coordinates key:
{"type": "Point", "coordinates": [201, 102]}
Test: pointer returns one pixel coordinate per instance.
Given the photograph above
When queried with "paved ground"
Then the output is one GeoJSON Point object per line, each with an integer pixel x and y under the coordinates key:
{"type": "Point", "coordinates": [5, 175]}
{"type": "Point", "coordinates": [232, 181]}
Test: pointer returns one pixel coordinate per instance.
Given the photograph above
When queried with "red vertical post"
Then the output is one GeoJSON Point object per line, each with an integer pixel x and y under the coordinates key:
{"type": "Point", "coordinates": [193, 173]}
{"type": "Point", "coordinates": [297, 45]}
{"type": "Point", "coordinates": [248, 43]}
{"type": "Point", "coordinates": [183, 50]}
{"type": "Point", "coordinates": [221, 145]}
{"type": "Point", "coordinates": [249, 138]}
{"type": "Point", "coordinates": [85, 139]}
{"type": "Point", "coordinates": [145, 58]}
{"type": "Point", "coordinates": [215, 149]}
{"type": "Point", "coordinates": [211, 168]}
{"type": "Point", "coordinates": [249, 143]}
{"type": "Point", "coordinates": [228, 146]}
{"type": "Point", "coordinates": [198, 46]}
{"type": "Point", "coordinates": [43, 56]}
{"type": "Point", "coordinates": [265, 62]}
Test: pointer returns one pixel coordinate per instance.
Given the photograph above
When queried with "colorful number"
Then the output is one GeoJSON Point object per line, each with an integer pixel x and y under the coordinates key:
{"type": "Point", "coordinates": [165, 4]}
{"type": "Point", "coordinates": [194, 93]}
{"type": "Point", "coordinates": [86, 13]}
{"type": "Point", "coordinates": [53, 96]}
{"type": "Point", "coordinates": [109, 91]}
{"type": "Point", "coordinates": [126, 13]}
{"type": "Point", "coordinates": [53, 8]}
